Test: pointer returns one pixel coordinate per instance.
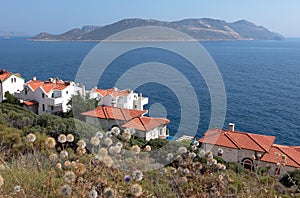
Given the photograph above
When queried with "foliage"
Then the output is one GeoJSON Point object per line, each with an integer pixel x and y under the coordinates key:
{"type": "Point", "coordinates": [11, 98]}
{"type": "Point", "coordinates": [291, 179]}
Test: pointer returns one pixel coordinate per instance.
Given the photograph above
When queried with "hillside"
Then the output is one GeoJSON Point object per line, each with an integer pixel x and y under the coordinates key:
{"type": "Point", "coordinates": [204, 29]}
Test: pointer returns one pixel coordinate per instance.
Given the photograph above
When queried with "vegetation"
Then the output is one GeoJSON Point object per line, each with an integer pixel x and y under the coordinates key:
{"type": "Point", "coordinates": [45, 156]}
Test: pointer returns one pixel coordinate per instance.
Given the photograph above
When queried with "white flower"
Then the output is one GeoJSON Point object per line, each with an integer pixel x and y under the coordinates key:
{"type": "Point", "coordinates": [69, 177]}
{"type": "Point", "coordinates": [66, 190]}
{"type": "Point", "coordinates": [182, 150]}
{"type": "Point", "coordinates": [99, 135]}
{"type": "Point", "coordinates": [17, 188]}
{"type": "Point", "coordinates": [64, 154]}
{"type": "Point", "coordinates": [95, 141]}
{"type": "Point", "coordinates": [108, 141]}
{"type": "Point", "coordinates": [108, 134]}
{"type": "Point", "coordinates": [31, 137]}
{"type": "Point", "coordinates": [119, 144]}
{"type": "Point", "coordinates": [137, 175]}
{"type": "Point", "coordinates": [220, 151]}
{"type": "Point", "coordinates": [115, 130]}
{"type": "Point", "coordinates": [202, 153]}
{"type": "Point", "coordinates": [70, 138]}
{"type": "Point", "coordinates": [62, 138]}
{"type": "Point", "coordinates": [93, 193]}
{"type": "Point", "coordinates": [81, 143]}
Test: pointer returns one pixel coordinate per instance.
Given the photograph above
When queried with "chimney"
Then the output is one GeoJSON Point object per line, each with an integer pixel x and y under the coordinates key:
{"type": "Point", "coordinates": [33, 78]}
{"type": "Point", "coordinates": [231, 126]}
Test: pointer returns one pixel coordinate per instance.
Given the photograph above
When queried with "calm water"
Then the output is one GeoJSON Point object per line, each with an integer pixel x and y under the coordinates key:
{"type": "Point", "coordinates": [261, 79]}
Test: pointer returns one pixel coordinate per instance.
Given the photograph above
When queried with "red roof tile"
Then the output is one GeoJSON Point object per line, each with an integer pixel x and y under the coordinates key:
{"type": "Point", "coordinates": [113, 91]}
{"type": "Point", "coordinates": [238, 140]}
{"type": "Point", "coordinates": [114, 113]}
{"type": "Point", "coordinates": [146, 123]}
{"type": "Point", "coordinates": [275, 155]}
{"type": "Point", "coordinates": [30, 103]}
{"type": "Point", "coordinates": [47, 86]}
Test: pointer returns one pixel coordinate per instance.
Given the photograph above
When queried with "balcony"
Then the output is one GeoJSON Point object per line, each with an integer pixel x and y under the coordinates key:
{"type": "Point", "coordinates": [54, 101]}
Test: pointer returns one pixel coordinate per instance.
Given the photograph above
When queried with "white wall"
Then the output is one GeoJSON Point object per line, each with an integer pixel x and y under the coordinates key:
{"type": "Point", "coordinates": [11, 86]}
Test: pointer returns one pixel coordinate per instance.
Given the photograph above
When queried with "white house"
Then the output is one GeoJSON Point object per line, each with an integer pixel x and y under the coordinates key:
{"type": "Point", "coordinates": [108, 117]}
{"type": "Point", "coordinates": [48, 96]}
{"type": "Point", "coordinates": [10, 82]}
{"type": "Point", "coordinates": [119, 98]}
{"type": "Point", "coordinates": [251, 150]}
{"type": "Point", "coordinates": [149, 128]}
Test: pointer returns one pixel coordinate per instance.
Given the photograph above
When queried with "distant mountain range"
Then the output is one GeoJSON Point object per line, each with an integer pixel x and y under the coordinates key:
{"type": "Point", "coordinates": [12, 34]}
{"type": "Point", "coordinates": [204, 29]}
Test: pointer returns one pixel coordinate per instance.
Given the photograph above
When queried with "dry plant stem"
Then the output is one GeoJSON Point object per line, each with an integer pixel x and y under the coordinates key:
{"type": "Point", "coordinates": [5, 164]}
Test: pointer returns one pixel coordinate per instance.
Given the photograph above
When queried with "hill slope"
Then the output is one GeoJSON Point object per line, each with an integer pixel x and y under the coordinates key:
{"type": "Point", "coordinates": [200, 29]}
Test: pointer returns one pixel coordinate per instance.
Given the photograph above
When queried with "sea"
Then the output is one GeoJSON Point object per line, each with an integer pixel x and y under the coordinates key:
{"type": "Point", "coordinates": [261, 80]}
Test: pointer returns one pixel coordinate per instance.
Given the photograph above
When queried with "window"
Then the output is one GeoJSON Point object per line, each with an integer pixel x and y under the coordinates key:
{"type": "Point", "coordinates": [43, 95]}
{"type": "Point", "coordinates": [43, 107]}
{"type": "Point", "coordinates": [25, 91]}
{"type": "Point", "coordinates": [15, 80]}
{"type": "Point", "coordinates": [12, 80]}
{"type": "Point", "coordinates": [67, 92]}
{"type": "Point", "coordinates": [52, 108]}
{"type": "Point", "coordinates": [135, 106]}
{"type": "Point", "coordinates": [277, 171]}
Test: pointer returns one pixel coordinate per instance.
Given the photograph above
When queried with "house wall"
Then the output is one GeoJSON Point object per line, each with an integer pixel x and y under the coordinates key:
{"type": "Point", "coordinates": [107, 124]}
{"type": "Point", "coordinates": [11, 86]}
{"type": "Point", "coordinates": [153, 134]}
{"type": "Point", "coordinates": [283, 169]}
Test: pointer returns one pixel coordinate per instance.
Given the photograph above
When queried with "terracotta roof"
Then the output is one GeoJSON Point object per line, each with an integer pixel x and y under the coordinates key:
{"type": "Point", "coordinates": [292, 154]}
{"type": "Point", "coordinates": [114, 113]}
{"type": "Point", "coordinates": [146, 123]}
{"type": "Point", "coordinates": [4, 75]}
{"type": "Point", "coordinates": [47, 86]}
{"type": "Point", "coordinates": [30, 103]}
{"type": "Point", "coordinates": [238, 140]}
{"type": "Point", "coordinates": [113, 91]}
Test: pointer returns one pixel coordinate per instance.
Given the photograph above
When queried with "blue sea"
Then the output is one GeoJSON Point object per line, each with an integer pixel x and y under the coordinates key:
{"type": "Point", "coordinates": [261, 78]}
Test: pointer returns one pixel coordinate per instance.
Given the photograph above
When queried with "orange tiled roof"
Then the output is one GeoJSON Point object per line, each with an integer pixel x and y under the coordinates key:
{"type": "Point", "coordinates": [275, 155]}
{"type": "Point", "coordinates": [47, 86]}
{"type": "Point", "coordinates": [113, 91]}
{"type": "Point", "coordinates": [238, 140]}
{"type": "Point", "coordinates": [30, 102]}
{"type": "Point", "coordinates": [146, 123]}
{"type": "Point", "coordinates": [5, 75]}
{"type": "Point", "coordinates": [114, 113]}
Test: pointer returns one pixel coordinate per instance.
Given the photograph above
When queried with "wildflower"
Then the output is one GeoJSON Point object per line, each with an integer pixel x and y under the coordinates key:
{"type": "Point", "coordinates": [95, 141]}
{"type": "Point", "coordinates": [102, 152]}
{"type": "Point", "coordinates": [230, 180]}
{"type": "Point", "coordinates": [108, 134]}
{"type": "Point", "coordinates": [62, 138]}
{"type": "Point", "coordinates": [93, 193]}
{"type": "Point", "coordinates": [182, 150]}
{"type": "Point", "coordinates": [197, 166]}
{"type": "Point", "coordinates": [196, 143]}
{"type": "Point", "coordinates": [173, 170]}
{"type": "Point", "coordinates": [81, 143]}
{"type": "Point", "coordinates": [137, 175]}
{"type": "Point", "coordinates": [219, 166]}
{"type": "Point", "coordinates": [220, 151]}
{"type": "Point", "coordinates": [53, 157]}
{"type": "Point", "coordinates": [67, 163]}
{"type": "Point", "coordinates": [136, 149]}
{"type": "Point", "coordinates": [126, 135]}
{"type": "Point", "coordinates": [99, 135]}
{"type": "Point", "coordinates": [214, 162]}
{"type": "Point", "coordinates": [70, 138]}
{"type": "Point", "coordinates": [66, 190]}
{"type": "Point", "coordinates": [119, 144]}
{"type": "Point", "coordinates": [114, 150]}
{"type": "Point", "coordinates": [115, 131]}
{"type": "Point", "coordinates": [108, 141]}
{"type": "Point", "coordinates": [220, 177]}
{"type": "Point", "coordinates": [186, 171]}
{"type": "Point", "coordinates": [31, 137]}
{"type": "Point", "coordinates": [1, 181]}
{"type": "Point", "coordinates": [136, 190]}
{"type": "Point", "coordinates": [69, 177]}
{"type": "Point", "coordinates": [202, 153]}
{"type": "Point", "coordinates": [64, 154]}
{"type": "Point", "coordinates": [169, 157]}
{"type": "Point", "coordinates": [193, 155]}
{"type": "Point", "coordinates": [80, 169]}
{"type": "Point", "coordinates": [108, 161]}
{"type": "Point", "coordinates": [17, 189]}
{"type": "Point", "coordinates": [182, 180]}
{"type": "Point", "coordinates": [223, 167]}
{"type": "Point", "coordinates": [194, 147]}
{"type": "Point", "coordinates": [81, 150]}
{"type": "Point", "coordinates": [58, 165]}
{"type": "Point", "coordinates": [148, 148]}
{"type": "Point", "coordinates": [127, 178]}
{"type": "Point", "coordinates": [109, 192]}
{"type": "Point", "coordinates": [50, 142]}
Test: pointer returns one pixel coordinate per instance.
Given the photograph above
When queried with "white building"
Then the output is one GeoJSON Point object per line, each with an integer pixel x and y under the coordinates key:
{"type": "Point", "coordinates": [49, 96]}
{"type": "Point", "coordinates": [149, 128]}
{"type": "Point", "coordinates": [119, 98]}
{"type": "Point", "coordinates": [108, 117]}
{"type": "Point", "coordinates": [10, 82]}
{"type": "Point", "coordinates": [251, 150]}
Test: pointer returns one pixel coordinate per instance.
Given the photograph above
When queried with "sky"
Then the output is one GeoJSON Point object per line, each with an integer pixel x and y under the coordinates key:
{"type": "Point", "coordinates": [58, 16]}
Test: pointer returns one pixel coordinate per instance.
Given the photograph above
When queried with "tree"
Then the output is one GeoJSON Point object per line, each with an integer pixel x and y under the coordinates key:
{"type": "Point", "coordinates": [79, 103]}
{"type": "Point", "coordinates": [11, 98]}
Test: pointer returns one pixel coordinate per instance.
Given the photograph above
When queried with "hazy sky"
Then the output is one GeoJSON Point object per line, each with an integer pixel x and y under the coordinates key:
{"type": "Point", "coordinates": [57, 16]}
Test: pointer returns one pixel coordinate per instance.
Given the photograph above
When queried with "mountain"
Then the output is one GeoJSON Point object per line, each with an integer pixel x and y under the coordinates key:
{"type": "Point", "coordinates": [204, 29]}
{"type": "Point", "coordinates": [11, 34]}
